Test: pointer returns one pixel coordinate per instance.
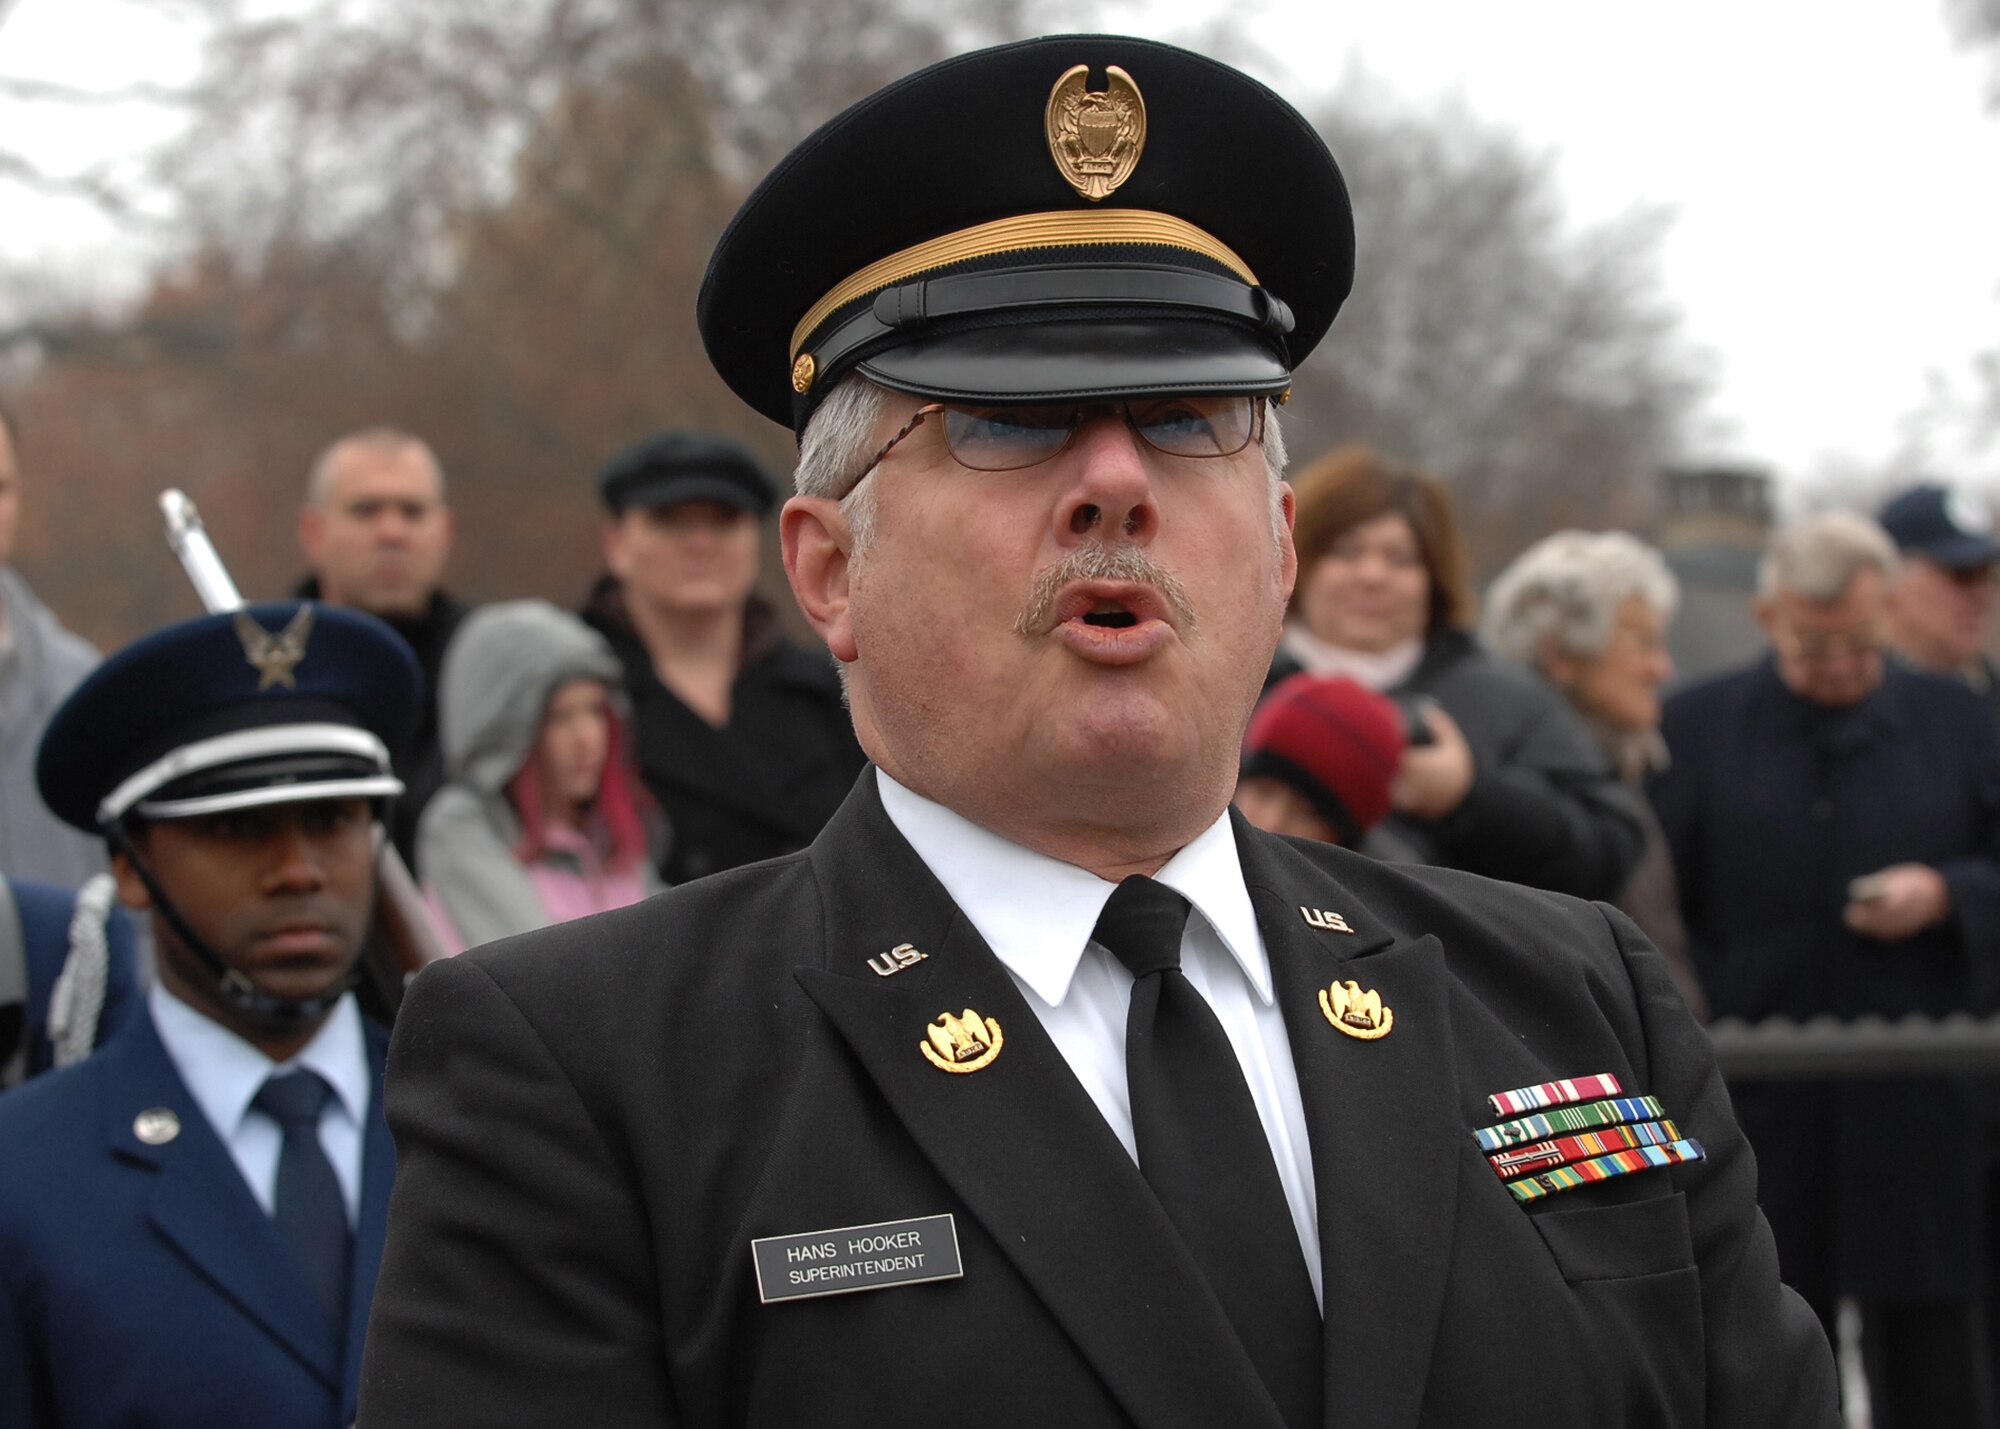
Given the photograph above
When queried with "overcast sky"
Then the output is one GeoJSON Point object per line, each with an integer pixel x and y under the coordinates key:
{"type": "Point", "coordinates": [1832, 170]}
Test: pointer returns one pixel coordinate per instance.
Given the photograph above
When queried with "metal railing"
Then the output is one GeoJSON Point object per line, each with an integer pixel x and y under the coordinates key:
{"type": "Point", "coordinates": [1780, 1049]}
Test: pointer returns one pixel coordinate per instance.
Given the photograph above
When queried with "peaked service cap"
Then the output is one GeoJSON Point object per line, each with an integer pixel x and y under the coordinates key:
{"type": "Point", "coordinates": [275, 703]}
{"type": "Point", "coordinates": [1073, 217]}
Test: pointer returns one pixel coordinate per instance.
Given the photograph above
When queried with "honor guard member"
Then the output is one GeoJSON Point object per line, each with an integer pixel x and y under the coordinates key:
{"type": "Point", "coordinates": [191, 1219]}
{"type": "Point", "coordinates": [1040, 1086]}
{"type": "Point", "coordinates": [67, 969]}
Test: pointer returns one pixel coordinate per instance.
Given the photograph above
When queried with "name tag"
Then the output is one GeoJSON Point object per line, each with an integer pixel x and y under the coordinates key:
{"type": "Point", "coordinates": [839, 1262]}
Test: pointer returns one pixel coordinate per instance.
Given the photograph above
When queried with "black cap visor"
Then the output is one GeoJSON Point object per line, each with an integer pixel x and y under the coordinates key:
{"type": "Point", "coordinates": [1069, 361]}
{"type": "Point", "coordinates": [677, 489]}
{"type": "Point", "coordinates": [1961, 552]}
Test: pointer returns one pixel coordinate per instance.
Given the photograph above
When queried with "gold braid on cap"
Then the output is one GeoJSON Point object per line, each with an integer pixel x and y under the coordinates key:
{"type": "Point", "coordinates": [1014, 235]}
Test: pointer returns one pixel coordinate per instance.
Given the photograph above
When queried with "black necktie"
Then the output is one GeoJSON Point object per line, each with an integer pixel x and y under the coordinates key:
{"type": "Point", "coordinates": [1204, 1152]}
{"type": "Point", "coordinates": [310, 1210]}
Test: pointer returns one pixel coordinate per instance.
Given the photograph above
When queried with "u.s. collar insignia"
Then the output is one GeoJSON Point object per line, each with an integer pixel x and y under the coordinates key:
{"type": "Point", "coordinates": [895, 960]}
{"type": "Point", "coordinates": [274, 656]}
{"type": "Point", "coordinates": [961, 1044]}
{"type": "Point", "coordinates": [1095, 136]}
{"type": "Point", "coordinates": [1324, 918]}
{"type": "Point", "coordinates": [1357, 1013]}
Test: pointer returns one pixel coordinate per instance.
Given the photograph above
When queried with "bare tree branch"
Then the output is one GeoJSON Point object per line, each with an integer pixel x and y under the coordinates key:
{"type": "Point", "coordinates": [93, 186]}
{"type": "Point", "coordinates": [42, 91]}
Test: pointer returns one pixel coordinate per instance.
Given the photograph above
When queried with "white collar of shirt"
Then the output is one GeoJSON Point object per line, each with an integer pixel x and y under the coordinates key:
{"type": "Point", "coordinates": [223, 1072]}
{"type": "Point", "coordinates": [1042, 939]}
{"type": "Point", "coordinates": [1377, 671]}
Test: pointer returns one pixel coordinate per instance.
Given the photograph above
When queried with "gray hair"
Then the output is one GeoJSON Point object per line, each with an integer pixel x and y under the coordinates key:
{"type": "Point", "coordinates": [835, 444]}
{"type": "Point", "coordinates": [373, 441]}
{"type": "Point", "coordinates": [837, 440]}
{"type": "Point", "coordinates": [1818, 556]}
{"type": "Point", "coordinates": [1568, 587]}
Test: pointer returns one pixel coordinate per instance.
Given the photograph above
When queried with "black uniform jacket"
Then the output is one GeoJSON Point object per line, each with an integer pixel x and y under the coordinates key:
{"type": "Point", "coordinates": [595, 1120]}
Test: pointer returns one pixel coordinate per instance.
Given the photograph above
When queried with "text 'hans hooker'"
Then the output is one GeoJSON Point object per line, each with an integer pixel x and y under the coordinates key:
{"type": "Point", "coordinates": [870, 1257]}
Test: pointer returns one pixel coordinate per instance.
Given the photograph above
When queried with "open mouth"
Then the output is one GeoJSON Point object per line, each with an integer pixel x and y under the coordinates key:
{"type": "Point", "coordinates": [1111, 614]}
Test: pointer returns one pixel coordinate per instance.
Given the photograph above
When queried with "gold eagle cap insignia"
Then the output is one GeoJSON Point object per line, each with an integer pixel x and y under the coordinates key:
{"type": "Point", "coordinates": [1357, 1013]}
{"type": "Point", "coordinates": [274, 657]}
{"type": "Point", "coordinates": [964, 1043]}
{"type": "Point", "coordinates": [1095, 135]}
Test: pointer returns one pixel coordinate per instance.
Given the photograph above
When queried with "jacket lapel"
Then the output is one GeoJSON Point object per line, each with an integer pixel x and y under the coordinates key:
{"type": "Point", "coordinates": [1020, 1141]}
{"type": "Point", "coordinates": [1382, 1116]}
{"type": "Point", "coordinates": [378, 1178]}
{"type": "Point", "coordinates": [201, 1206]}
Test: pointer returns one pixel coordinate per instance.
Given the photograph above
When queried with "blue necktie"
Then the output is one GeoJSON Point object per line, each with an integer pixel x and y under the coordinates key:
{"type": "Point", "coordinates": [1203, 1150]}
{"type": "Point", "coordinates": [310, 1211]}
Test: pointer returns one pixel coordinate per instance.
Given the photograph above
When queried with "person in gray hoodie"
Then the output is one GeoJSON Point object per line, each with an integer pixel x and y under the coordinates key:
{"type": "Point", "coordinates": [40, 663]}
{"type": "Point", "coordinates": [540, 819]}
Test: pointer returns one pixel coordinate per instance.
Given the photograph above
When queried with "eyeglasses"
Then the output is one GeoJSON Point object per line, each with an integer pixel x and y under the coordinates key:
{"type": "Point", "coordinates": [1970, 577]}
{"type": "Point", "coordinates": [1813, 647]}
{"type": "Point", "coordinates": [1011, 438]}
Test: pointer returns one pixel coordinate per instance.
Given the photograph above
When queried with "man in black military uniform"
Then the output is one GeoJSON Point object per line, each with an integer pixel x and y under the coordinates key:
{"type": "Point", "coordinates": [739, 733]}
{"type": "Point", "coordinates": [1041, 1089]}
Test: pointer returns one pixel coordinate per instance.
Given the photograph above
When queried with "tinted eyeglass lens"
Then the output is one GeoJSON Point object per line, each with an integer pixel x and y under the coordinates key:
{"type": "Point", "coordinates": [1195, 426]}
{"type": "Point", "coordinates": [1008, 438]}
{"type": "Point", "coordinates": [1003, 438]}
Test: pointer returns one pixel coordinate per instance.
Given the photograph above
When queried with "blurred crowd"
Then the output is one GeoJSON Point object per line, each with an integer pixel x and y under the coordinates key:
{"type": "Point", "coordinates": [1815, 834]}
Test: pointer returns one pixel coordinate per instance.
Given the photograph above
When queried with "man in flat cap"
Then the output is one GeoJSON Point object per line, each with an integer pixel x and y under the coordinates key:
{"type": "Point", "coordinates": [1040, 1089]}
{"type": "Point", "coordinates": [740, 734]}
{"type": "Point", "coordinates": [191, 1219]}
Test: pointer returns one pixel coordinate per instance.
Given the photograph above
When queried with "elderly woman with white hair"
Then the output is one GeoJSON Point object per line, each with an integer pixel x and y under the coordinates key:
{"type": "Point", "coordinates": [1589, 611]}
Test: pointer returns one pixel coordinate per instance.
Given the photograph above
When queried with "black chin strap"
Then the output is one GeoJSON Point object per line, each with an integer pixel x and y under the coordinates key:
{"type": "Point", "coordinates": [264, 1010]}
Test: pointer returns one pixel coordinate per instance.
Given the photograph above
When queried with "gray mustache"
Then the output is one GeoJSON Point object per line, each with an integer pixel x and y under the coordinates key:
{"type": "Point", "coordinates": [1096, 561]}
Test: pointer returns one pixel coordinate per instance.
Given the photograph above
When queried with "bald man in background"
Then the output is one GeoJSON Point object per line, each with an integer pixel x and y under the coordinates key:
{"type": "Point", "coordinates": [376, 534]}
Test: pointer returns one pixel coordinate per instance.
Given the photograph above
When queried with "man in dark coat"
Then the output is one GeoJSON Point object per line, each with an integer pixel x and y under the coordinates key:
{"type": "Point", "coordinates": [1040, 1089]}
{"type": "Point", "coordinates": [376, 533]}
{"type": "Point", "coordinates": [740, 733]}
{"type": "Point", "coordinates": [1835, 820]}
{"type": "Point", "coordinates": [1941, 610]}
{"type": "Point", "coordinates": [191, 1217]}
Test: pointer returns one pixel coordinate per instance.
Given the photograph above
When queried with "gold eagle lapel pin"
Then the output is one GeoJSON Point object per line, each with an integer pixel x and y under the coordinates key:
{"type": "Point", "coordinates": [964, 1043]}
{"type": "Point", "coordinates": [1357, 1013]}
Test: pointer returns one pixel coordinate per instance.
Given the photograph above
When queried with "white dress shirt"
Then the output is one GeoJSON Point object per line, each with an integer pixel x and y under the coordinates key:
{"type": "Point", "coordinates": [1037, 914]}
{"type": "Point", "coordinates": [223, 1073]}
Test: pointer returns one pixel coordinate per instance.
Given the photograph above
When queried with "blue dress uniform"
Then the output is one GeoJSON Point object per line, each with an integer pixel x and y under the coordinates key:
{"type": "Point", "coordinates": [45, 915]}
{"type": "Point", "coordinates": [143, 1282]}
{"type": "Point", "coordinates": [140, 1283]}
